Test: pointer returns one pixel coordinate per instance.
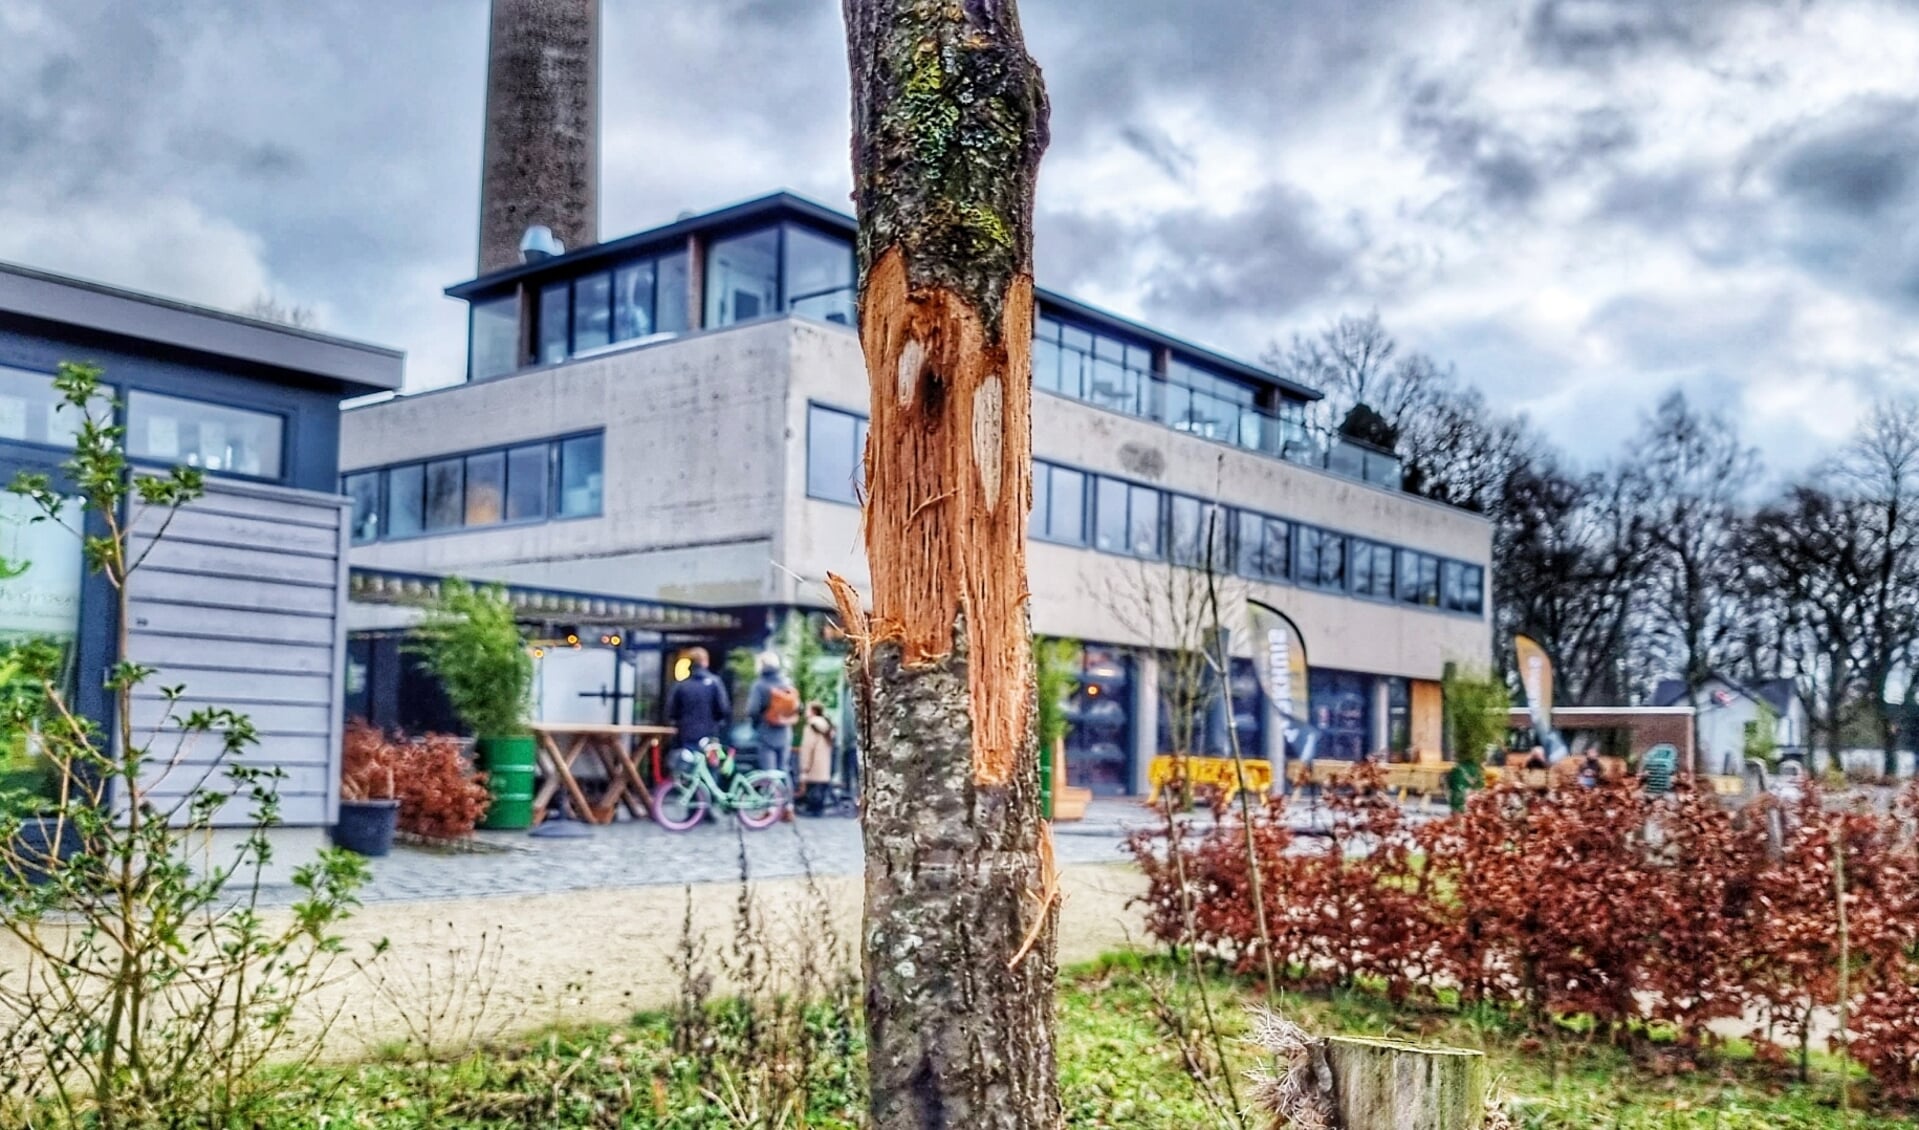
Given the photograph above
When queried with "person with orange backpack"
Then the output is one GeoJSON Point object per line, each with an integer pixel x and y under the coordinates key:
{"type": "Point", "coordinates": [773, 707]}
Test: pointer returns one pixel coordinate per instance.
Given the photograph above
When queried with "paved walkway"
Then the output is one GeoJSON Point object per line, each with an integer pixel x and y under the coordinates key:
{"type": "Point", "coordinates": [640, 854]}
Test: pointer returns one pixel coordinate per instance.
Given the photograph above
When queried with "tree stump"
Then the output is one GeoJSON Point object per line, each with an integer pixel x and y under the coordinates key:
{"type": "Point", "coordinates": [1384, 1085]}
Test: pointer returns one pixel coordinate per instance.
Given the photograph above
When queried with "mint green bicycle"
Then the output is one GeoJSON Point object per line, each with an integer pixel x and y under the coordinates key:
{"type": "Point", "coordinates": [756, 798]}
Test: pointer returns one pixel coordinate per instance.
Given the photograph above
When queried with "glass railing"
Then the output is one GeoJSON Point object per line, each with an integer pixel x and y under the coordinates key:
{"type": "Point", "coordinates": [1134, 392]}
{"type": "Point", "coordinates": [837, 306]}
{"type": "Point", "coordinates": [1214, 417]}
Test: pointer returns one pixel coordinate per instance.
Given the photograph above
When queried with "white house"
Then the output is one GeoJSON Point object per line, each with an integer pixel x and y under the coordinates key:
{"type": "Point", "coordinates": [1728, 712]}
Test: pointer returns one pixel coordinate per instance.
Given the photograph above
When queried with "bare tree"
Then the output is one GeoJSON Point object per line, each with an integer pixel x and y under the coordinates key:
{"type": "Point", "coordinates": [268, 308]}
{"type": "Point", "coordinates": [1879, 471]}
{"type": "Point", "coordinates": [949, 123]}
{"type": "Point", "coordinates": [1805, 553]}
{"type": "Point", "coordinates": [1568, 566]}
{"type": "Point", "coordinates": [1685, 482]}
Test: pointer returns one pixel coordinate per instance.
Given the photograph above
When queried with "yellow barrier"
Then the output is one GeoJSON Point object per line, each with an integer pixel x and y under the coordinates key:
{"type": "Point", "coordinates": [1219, 772]}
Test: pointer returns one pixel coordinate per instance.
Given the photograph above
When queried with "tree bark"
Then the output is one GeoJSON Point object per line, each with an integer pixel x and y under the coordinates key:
{"type": "Point", "coordinates": [949, 122]}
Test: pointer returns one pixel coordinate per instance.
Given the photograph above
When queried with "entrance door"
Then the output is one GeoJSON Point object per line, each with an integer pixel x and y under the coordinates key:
{"type": "Point", "coordinates": [1099, 740]}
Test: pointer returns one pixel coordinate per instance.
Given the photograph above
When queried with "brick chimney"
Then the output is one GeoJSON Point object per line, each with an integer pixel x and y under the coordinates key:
{"type": "Point", "coordinates": [542, 156]}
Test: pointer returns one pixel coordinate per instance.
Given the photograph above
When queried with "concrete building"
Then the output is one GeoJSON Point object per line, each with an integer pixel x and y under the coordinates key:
{"type": "Point", "coordinates": [242, 601]}
{"type": "Point", "coordinates": [679, 416]}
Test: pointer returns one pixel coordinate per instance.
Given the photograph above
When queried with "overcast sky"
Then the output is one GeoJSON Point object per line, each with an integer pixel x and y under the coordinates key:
{"type": "Point", "coordinates": [1581, 203]}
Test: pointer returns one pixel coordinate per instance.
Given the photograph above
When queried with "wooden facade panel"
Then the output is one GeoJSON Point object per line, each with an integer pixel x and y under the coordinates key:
{"type": "Point", "coordinates": [244, 606]}
{"type": "Point", "coordinates": [264, 656]}
{"type": "Point", "coordinates": [234, 592]}
{"type": "Point", "coordinates": [217, 529]}
{"type": "Point", "coordinates": [300, 780]}
{"type": "Point", "coordinates": [222, 562]}
{"type": "Point", "coordinates": [281, 507]}
{"type": "Point", "coordinates": [278, 718]}
{"type": "Point", "coordinates": [150, 618]}
{"type": "Point", "coordinates": [236, 688]}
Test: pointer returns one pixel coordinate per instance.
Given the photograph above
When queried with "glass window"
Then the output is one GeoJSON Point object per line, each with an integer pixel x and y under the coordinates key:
{"type": "Point", "coordinates": [405, 500]}
{"type": "Point", "coordinates": [581, 476]}
{"type": "Point", "coordinates": [212, 437]}
{"type": "Point", "coordinates": [633, 300]}
{"type": "Point", "coordinates": [819, 275]}
{"type": "Point", "coordinates": [40, 597]}
{"type": "Point", "coordinates": [364, 489]}
{"type": "Point", "coordinates": [1186, 541]}
{"type": "Point", "coordinates": [833, 442]}
{"type": "Point", "coordinates": [485, 488]}
{"type": "Point", "coordinates": [1463, 586]}
{"type": "Point", "coordinates": [553, 327]}
{"type": "Point", "coordinates": [1322, 558]}
{"type": "Point", "coordinates": [493, 346]}
{"type": "Point", "coordinates": [1042, 487]}
{"type": "Point", "coordinates": [526, 483]}
{"type": "Point", "coordinates": [444, 497]}
{"type": "Point", "coordinates": [672, 293]}
{"type": "Point", "coordinates": [1046, 365]}
{"type": "Point", "coordinates": [1264, 548]}
{"type": "Point", "coordinates": [1372, 569]}
{"type": "Point", "coordinates": [1142, 522]}
{"type": "Point", "coordinates": [1342, 705]}
{"type": "Point", "coordinates": [32, 411]}
{"type": "Point", "coordinates": [592, 311]}
{"type": "Point", "coordinates": [1418, 581]}
{"type": "Point", "coordinates": [1065, 496]}
{"type": "Point", "coordinates": [1109, 516]}
{"type": "Point", "coordinates": [742, 277]}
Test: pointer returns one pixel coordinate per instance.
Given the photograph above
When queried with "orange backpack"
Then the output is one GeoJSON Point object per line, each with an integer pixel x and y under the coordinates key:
{"type": "Point", "coordinates": [782, 707]}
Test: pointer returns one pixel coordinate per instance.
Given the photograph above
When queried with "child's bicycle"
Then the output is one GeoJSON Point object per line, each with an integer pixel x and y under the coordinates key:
{"type": "Point", "coordinates": [757, 798]}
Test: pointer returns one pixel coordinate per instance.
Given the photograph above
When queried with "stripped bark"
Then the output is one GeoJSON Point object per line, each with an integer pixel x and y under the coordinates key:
{"type": "Point", "coordinates": [949, 122]}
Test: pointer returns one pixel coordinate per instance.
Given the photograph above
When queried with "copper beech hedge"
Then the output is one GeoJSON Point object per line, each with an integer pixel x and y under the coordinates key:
{"type": "Point", "coordinates": [440, 795]}
{"type": "Point", "coordinates": [1631, 910]}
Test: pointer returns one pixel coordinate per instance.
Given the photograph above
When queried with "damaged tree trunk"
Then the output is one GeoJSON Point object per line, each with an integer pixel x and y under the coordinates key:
{"type": "Point", "coordinates": [949, 122]}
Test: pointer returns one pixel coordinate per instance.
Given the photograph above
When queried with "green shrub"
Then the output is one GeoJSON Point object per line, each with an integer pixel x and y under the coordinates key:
{"type": "Point", "coordinates": [472, 643]}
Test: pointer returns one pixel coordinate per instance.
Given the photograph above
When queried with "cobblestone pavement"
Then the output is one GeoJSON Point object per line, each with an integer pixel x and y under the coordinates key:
{"type": "Point", "coordinates": [639, 854]}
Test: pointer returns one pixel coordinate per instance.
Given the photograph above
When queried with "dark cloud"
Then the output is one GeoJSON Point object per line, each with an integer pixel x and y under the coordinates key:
{"type": "Point", "coordinates": [1601, 32]}
{"type": "Point", "coordinates": [329, 150]}
{"type": "Point", "coordinates": [1846, 197]}
{"type": "Point", "coordinates": [1463, 137]}
{"type": "Point", "coordinates": [1165, 154]}
{"type": "Point", "coordinates": [1859, 163]}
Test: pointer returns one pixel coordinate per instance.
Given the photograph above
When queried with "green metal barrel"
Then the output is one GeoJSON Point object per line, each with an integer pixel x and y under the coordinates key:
{"type": "Point", "coordinates": [509, 765]}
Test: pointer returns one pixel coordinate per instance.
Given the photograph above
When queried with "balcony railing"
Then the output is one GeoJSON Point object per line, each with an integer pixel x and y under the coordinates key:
{"type": "Point", "coordinates": [1191, 410]}
{"type": "Point", "coordinates": [837, 305]}
{"type": "Point", "coordinates": [1214, 417]}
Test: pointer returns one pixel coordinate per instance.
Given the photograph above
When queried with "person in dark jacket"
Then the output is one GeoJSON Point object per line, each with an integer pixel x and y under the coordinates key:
{"type": "Point", "coordinates": [698, 706]}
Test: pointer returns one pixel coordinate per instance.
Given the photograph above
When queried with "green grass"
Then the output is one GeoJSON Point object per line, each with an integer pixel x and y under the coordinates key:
{"type": "Point", "coordinates": [1119, 1069]}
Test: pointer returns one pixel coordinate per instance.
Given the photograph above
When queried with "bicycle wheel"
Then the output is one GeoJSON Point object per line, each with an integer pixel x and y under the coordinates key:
{"type": "Point", "coordinates": [679, 805]}
{"type": "Point", "coordinates": [759, 799]}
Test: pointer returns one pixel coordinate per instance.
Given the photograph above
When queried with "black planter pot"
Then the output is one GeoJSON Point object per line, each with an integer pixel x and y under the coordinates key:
{"type": "Point", "coordinates": [366, 826]}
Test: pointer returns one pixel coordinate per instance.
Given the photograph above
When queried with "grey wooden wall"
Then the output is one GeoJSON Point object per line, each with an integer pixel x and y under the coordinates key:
{"type": "Point", "coordinates": [243, 602]}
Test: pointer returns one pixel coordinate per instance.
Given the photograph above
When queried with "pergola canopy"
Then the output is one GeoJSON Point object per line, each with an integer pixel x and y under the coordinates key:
{"type": "Point", "coordinates": [545, 606]}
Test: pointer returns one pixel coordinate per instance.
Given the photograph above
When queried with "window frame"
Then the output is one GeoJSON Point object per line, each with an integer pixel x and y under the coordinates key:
{"type": "Point", "coordinates": [1042, 529]}
{"type": "Point", "coordinates": [858, 480]}
{"type": "Point", "coordinates": [550, 447]}
{"type": "Point", "coordinates": [281, 419]}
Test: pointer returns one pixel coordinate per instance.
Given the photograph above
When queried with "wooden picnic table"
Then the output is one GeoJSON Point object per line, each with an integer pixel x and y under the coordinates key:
{"type": "Point", "coordinates": [562, 744]}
